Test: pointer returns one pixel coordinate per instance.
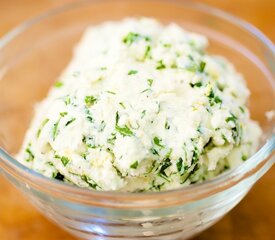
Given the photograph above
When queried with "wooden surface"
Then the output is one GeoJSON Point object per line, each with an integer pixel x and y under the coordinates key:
{"type": "Point", "coordinates": [253, 218]}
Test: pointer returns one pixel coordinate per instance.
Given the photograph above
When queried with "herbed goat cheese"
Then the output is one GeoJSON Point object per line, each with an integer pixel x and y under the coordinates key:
{"type": "Point", "coordinates": [141, 107]}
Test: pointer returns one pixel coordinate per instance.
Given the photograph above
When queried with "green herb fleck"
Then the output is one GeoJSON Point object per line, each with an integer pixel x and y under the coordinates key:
{"type": "Point", "coordinates": [147, 52]}
{"type": "Point", "coordinates": [30, 154]}
{"type": "Point", "coordinates": [58, 176]}
{"type": "Point", "coordinates": [143, 113]}
{"type": "Point", "coordinates": [242, 109]}
{"type": "Point", "coordinates": [90, 100]}
{"type": "Point", "coordinates": [41, 127]}
{"type": "Point", "coordinates": [157, 142]}
{"type": "Point", "coordinates": [131, 37]}
{"type": "Point", "coordinates": [124, 131]}
{"type": "Point", "coordinates": [70, 121]}
{"type": "Point", "coordinates": [150, 82]}
{"type": "Point", "coordinates": [197, 84]}
{"type": "Point", "coordinates": [154, 151]}
{"type": "Point", "coordinates": [67, 100]}
{"type": "Point", "coordinates": [232, 118]}
{"type": "Point", "coordinates": [160, 65]}
{"type": "Point", "coordinates": [202, 66]}
{"type": "Point", "coordinates": [65, 161]}
{"type": "Point", "coordinates": [90, 182]}
{"type": "Point", "coordinates": [132, 72]}
{"type": "Point", "coordinates": [134, 165]}
{"type": "Point", "coordinates": [122, 105]}
{"type": "Point", "coordinates": [244, 157]}
{"type": "Point", "coordinates": [63, 114]}
{"type": "Point", "coordinates": [55, 129]}
{"type": "Point", "coordinates": [167, 126]}
{"type": "Point", "coordinates": [58, 84]}
{"type": "Point", "coordinates": [164, 165]}
{"type": "Point", "coordinates": [113, 93]}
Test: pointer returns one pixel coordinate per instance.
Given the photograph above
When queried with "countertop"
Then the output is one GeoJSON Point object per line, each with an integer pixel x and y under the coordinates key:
{"type": "Point", "coordinates": [253, 218]}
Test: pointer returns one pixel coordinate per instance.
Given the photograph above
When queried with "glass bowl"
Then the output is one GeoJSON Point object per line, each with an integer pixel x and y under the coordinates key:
{"type": "Point", "coordinates": [31, 58]}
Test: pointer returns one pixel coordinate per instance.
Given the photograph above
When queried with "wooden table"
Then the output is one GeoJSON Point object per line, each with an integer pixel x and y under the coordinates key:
{"type": "Point", "coordinates": [253, 218]}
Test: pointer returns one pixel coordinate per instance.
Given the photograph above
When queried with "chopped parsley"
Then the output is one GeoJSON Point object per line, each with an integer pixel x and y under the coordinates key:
{"type": "Point", "coordinates": [65, 161]}
{"type": "Point", "coordinates": [134, 165]}
{"type": "Point", "coordinates": [58, 176]}
{"type": "Point", "coordinates": [90, 182]}
{"type": "Point", "coordinates": [58, 84]}
{"type": "Point", "coordinates": [63, 114]}
{"type": "Point", "coordinates": [150, 82]}
{"type": "Point", "coordinates": [30, 154]}
{"type": "Point", "coordinates": [90, 100]}
{"type": "Point", "coordinates": [143, 113]}
{"type": "Point", "coordinates": [232, 118]}
{"type": "Point", "coordinates": [164, 165]}
{"type": "Point", "coordinates": [131, 37]}
{"type": "Point", "coordinates": [160, 65]}
{"type": "Point", "coordinates": [157, 141]}
{"type": "Point", "coordinates": [122, 105]}
{"type": "Point", "coordinates": [70, 121]}
{"type": "Point", "coordinates": [167, 126]}
{"type": "Point", "coordinates": [124, 131]}
{"type": "Point", "coordinates": [55, 129]}
{"type": "Point", "coordinates": [41, 127]}
{"type": "Point", "coordinates": [113, 93]}
{"type": "Point", "coordinates": [244, 157]}
{"type": "Point", "coordinates": [132, 72]}
{"type": "Point", "coordinates": [197, 84]}
{"type": "Point", "coordinates": [202, 66]}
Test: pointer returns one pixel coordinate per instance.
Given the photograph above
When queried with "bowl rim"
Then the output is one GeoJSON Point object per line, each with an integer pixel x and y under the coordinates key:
{"type": "Point", "coordinates": [129, 199]}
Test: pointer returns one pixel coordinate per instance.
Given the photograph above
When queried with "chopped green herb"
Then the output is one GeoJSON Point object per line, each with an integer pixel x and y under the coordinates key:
{"type": "Point", "coordinates": [65, 161]}
{"type": "Point", "coordinates": [242, 109]}
{"type": "Point", "coordinates": [160, 65]}
{"type": "Point", "coordinates": [67, 100]}
{"type": "Point", "coordinates": [217, 100]}
{"type": "Point", "coordinates": [150, 82]}
{"type": "Point", "coordinates": [134, 165]}
{"type": "Point", "coordinates": [124, 131]}
{"type": "Point", "coordinates": [90, 100]}
{"type": "Point", "coordinates": [180, 166]}
{"type": "Point", "coordinates": [55, 129]}
{"type": "Point", "coordinates": [197, 84]}
{"type": "Point", "coordinates": [89, 141]}
{"type": "Point", "coordinates": [143, 113]}
{"type": "Point", "coordinates": [164, 165]}
{"type": "Point", "coordinates": [202, 66]}
{"type": "Point", "coordinates": [113, 93]}
{"type": "Point", "coordinates": [103, 68]}
{"type": "Point", "coordinates": [59, 176]}
{"type": "Point", "coordinates": [167, 126]}
{"type": "Point", "coordinates": [157, 142]}
{"type": "Point", "coordinates": [122, 105]}
{"type": "Point", "coordinates": [132, 72]}
{"type": "Point", "coordinates": [132, 37]}
{"type": "Point", "coordinates": [244, 157]}
{"type": "Point", "coordinates": [101, 126]}
{"type": "Point", "coordinates": [147, 52]}
{"type": "Point", "coordinates": [154, 151]}
{"type": "Point", "coordinates": [41, 127]}
{"type": "Point", "coordinates": [145, 90]}
{"type": "Point", "coordinates": [117, 118]}
{"type": "Point", "coordinates": [62, 114]}
{"type": "Point", "coordinates": [90, 182]}
{"type": "Point", "coordinates": [30, 154]}
{"type": "Point", "coordinates": [232, 118]}
{"type": "Point", "coordinates": [70, 121]}
{"type": "Point", "coordinates": [58, 84]}
{"type": "Point", "coordinates": [90, 118]}
{"type": "Point", "coordinates": [112, 139]}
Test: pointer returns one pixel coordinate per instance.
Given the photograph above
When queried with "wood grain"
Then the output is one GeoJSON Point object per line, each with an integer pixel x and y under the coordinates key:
{"type": "Point", "coordinates": [253, 218]}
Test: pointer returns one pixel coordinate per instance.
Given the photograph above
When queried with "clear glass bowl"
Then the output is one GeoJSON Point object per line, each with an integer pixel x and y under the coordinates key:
{"type": "Point", "coordinates": [34, 54]}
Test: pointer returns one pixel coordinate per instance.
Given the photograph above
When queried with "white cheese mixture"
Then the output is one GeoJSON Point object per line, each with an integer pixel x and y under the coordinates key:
{"type": "Point", "coordinates": [141, 107]}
